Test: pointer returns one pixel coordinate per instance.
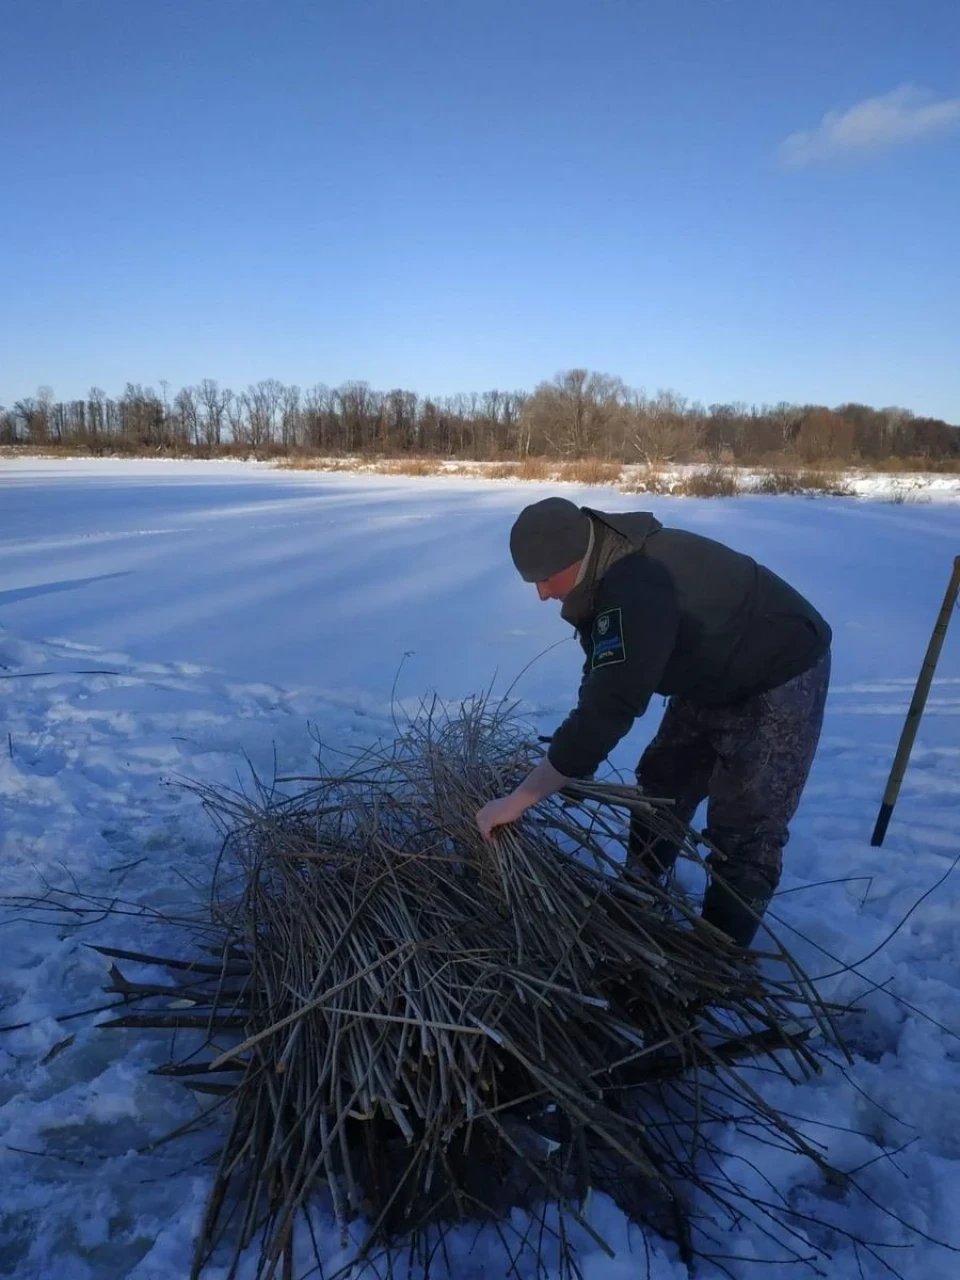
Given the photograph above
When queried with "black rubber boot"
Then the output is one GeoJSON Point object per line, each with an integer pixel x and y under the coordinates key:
{"type": "Point", "coordinates": [650, 856]}
{"type": "Point", "coordinates": [652, 859]}
{"type": "Point", "coordinates": [737, 917]}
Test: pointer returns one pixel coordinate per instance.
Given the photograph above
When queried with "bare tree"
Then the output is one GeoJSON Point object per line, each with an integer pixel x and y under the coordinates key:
{"type": "Point", "coordinates": [214, 404]}
{"type": "Point", "coordinates": [577, 413]}
{"type": "Point", "coordinates": [34, 417]}
{"type": "Point", "coordinates": [319, 418]}
{"type": "Point", "coordinates": [665, 429]}
{"type": "Point", "coordinates": [96, 413]}
{"type": "Point", "coordinates": [290, 417]}
{"type": "Point", "coordinates": [263, 407]}
{"type": "Point", "coordinates": [359, 414]}
{"type": "Point", "coordinates": [401, 425]}
{"type": "Point", "coordinates": [8, 426]}
{"type": "Point", "coordinates": [187, 417]}
{"type": "Point", "coordinates": [825, 435]}
{"type": "Point", "coordinates": [142, 418]}
{"type": "Point", "coordinates": [236, 411]}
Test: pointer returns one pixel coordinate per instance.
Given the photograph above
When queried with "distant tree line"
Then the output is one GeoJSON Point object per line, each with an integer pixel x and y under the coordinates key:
{"type": "Point", "coordinates": [578, 414]}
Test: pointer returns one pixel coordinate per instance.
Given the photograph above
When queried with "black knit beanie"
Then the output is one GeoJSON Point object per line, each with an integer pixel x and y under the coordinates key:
{"type": "Point", "coordinates": [548, 536]}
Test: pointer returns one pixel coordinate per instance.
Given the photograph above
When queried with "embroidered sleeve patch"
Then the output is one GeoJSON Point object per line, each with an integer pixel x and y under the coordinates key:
{"type": "Point", "coordinates": [608, 646]}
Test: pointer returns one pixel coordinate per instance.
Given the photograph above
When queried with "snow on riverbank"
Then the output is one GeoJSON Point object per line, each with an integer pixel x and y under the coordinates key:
{"type": "Point", "coordinates": [236, 612]}
{"type": "Point", "coordinates": [660, 479]}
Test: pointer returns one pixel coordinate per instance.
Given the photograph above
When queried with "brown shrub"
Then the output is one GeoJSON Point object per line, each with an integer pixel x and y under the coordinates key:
{"type": "Point", "coordinates": [940, 466]}
{"type": "Point", "coordinates": [304, 463]}
{"type": "Point", "coordinates": [523, 469]}
{"type": "Point", "coordinates": [648, 480]}
{"type": "Point", "coordinates": [885, 466]}
{"type": "Point", "coordinates": [534, 469]}
{"type": "Point", "coordinates": [34, 451]}
{"type": "Point", "coordinates": [907, 491]}
{"type": "Point", "coordinates": [589, 471]}
{"type": "Point", "coordinates": [714, 482]}
{"type": "Point", "coordinates": [300, 464]}
{"type": "Point", "coordinates": [409, 466]}
{"type": "Point", "coordinates": [806, 482]}
{"type": "Point", "coordinates": [501, 471]}
{"type": "Point", "coordinates": [777, 482]}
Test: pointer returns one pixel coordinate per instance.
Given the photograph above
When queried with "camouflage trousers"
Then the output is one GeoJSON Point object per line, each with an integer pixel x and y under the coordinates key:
{"type": "Point", "coordinates": [750, 762]}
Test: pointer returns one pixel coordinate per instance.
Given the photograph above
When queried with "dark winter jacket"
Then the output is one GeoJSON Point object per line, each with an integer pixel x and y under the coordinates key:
{"type": "Point", "coordinates": [670, 612]}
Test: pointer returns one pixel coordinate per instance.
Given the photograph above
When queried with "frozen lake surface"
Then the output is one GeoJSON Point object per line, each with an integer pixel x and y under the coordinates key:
{"type": "Point", "coordinates": [241, 610]}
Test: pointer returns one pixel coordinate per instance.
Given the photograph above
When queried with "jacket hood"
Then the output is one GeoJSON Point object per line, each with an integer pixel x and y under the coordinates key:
{"type": "Point", "coordinates": [616, 536]}
{"type": "Point", "coordinates": [635, 526]}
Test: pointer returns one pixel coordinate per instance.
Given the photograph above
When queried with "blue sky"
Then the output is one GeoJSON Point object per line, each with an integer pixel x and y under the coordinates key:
{"type": "Point", "coordinates": [748, 200]}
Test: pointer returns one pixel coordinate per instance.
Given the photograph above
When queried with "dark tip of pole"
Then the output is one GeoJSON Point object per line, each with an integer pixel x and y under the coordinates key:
{"type": "Point", "coordinates": [883, 821]}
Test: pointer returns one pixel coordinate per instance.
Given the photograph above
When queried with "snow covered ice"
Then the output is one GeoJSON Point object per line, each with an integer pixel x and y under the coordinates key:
{"type": "Point", "coordinates": [241, 612]}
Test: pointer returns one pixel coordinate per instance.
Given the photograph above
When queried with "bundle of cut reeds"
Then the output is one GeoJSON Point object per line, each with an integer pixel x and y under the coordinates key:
{"type": "Point", "coordinates": [428, 1028]}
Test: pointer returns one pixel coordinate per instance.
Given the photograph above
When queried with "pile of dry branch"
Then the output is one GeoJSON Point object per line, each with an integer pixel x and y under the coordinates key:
{"type": "Point", "coordinates": [422, 1029]}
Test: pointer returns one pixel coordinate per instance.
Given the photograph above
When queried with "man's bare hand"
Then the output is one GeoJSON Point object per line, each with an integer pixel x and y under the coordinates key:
{"type": "Point", "coordinates": [500, 813]}
{"type": "Point", "coordinates": [540, 782]}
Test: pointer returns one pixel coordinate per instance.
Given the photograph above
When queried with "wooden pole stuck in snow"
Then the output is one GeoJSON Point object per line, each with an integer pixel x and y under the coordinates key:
{"type": "Point", "coordinates": [912, 722]}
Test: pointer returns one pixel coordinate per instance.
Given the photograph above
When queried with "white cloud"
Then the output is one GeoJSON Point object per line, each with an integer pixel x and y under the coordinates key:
{"type": "Point", "coordinates": [905, 115]}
